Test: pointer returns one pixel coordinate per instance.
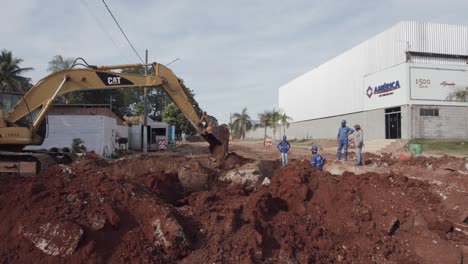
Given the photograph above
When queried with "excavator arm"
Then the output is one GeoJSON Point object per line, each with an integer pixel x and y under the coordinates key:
{"type": "Point", "coordinates": [41, 96]}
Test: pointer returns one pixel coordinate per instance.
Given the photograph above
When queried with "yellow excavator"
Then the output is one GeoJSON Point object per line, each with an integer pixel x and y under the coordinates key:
{"type": "Point", "coordinates": [25, 123]}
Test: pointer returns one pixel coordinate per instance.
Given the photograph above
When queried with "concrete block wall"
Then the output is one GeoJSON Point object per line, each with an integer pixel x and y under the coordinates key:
{"type": "Point", "coordinates": [452, 122]}
{"type": "Point", "coordinates": [259, 133]}
{"type": "Point", "coordinates": [372, 123]}
{"type": "Point", "coordinates": [406, 122]}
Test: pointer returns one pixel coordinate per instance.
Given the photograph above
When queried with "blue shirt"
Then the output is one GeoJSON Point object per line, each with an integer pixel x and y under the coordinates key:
{"type": "Point", "coordinates": [283, 146]}
{"type": "Point", "coordinates": [343, 133]}
{"type": "Point", "coordinates": [317, 161]}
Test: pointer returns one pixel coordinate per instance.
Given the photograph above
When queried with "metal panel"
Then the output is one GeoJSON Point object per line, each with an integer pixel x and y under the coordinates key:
{"type": "Point", "coordinates": [134, 137]}
{"type": "Point", "coordinates": [436, 38]}
{"type": "Point", "coordinates": [438, 61]}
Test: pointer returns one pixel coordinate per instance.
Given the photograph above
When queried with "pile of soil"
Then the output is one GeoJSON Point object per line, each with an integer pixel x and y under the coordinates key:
{"type": "Point", "coordinates": [446, 162]}
{"type": "Point", "coordinates": [306, 216]}
{"type": "Point", "coordinates": [136, 210]}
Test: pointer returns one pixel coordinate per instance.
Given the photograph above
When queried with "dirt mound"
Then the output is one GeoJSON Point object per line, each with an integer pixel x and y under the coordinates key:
{"type": "Point", "coordinates": [444, 162]}
{"type": "Point", "coordinates": [137, 210]}
{"type": "Point", "coordinates": [306, 216]}
{"type": "Point", "coordinates": [233, 160]}
{"type": "Point", "coordinates": [116, 218]}
{"type": "Point", "coordinates": [191, 149]}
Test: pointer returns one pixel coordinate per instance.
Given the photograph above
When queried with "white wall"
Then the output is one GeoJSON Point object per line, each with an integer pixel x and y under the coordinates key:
{"type": "Point", "coordinates": [97, 132]}
{"type": "Point", "coordinates": [337, 86]}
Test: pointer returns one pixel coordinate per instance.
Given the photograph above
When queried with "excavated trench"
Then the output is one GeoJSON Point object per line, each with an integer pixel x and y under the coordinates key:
{"type": "Point", "coordinates": [179, 209]}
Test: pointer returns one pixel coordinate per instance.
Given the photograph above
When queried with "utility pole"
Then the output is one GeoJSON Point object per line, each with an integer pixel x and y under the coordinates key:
{"type": "Point", "coordinates": [145, 109]}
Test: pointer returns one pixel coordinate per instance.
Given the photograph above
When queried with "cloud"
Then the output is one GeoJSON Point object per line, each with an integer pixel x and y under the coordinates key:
{"type": "Point", "coordinates": [232, 53]}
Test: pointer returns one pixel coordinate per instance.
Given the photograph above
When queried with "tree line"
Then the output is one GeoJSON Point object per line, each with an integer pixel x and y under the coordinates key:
{"type": "Point", "coordinates": [275, 119]}
{"type": "Point", "coordinates": [124, 102]}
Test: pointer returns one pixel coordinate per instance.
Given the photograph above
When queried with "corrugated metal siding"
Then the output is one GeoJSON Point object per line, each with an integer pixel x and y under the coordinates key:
{"type": "Point", "coordinates": [337, 86]}
{"type": "Point", "coordinates": [436, 38]}
{"type": "Point", "coordinates": [438, 61]}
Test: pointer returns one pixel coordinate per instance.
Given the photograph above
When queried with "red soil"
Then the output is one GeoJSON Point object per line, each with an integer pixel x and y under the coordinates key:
{"type": "Point", "coordinates": [136, 211]}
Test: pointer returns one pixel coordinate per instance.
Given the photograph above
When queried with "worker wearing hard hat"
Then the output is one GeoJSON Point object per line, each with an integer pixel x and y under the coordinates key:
{"type": "Point", "coordinates": [317, 160]}
{"type": "Point", "coordinates": [284, 147]}
{"type": "Point", "coordinates": [342, 138]}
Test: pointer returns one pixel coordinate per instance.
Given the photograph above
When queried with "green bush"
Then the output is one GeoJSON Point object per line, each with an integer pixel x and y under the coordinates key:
{"type": "Point", "coordinates": [77, 145]}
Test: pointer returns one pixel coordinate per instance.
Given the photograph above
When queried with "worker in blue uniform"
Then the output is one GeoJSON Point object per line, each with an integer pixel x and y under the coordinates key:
{"type": "Point", "coordinates": [284, 147]}
{"type": "Point", "coordinates": [317, 160]}
{"type": "Point", "coordinates": [342, 138]}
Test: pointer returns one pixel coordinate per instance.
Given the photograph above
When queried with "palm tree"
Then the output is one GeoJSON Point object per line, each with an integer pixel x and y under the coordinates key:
{"type": "Point", "coordinates": [59, 63]}
{"type": "Point", "coordinates": [242, 122]}
{"type": "Point", "coordinates": [460, 94]}
{"type": "Point", "coordinates": [275, 117]}
{"type": "Point", "coordinates": [232, 129]}
{"type": "Point", "coordinates": [10, 73]}
{"type": "Point", "coordinates": [264, 121]}
{"type": "Point", "coordinates": [284, 120]}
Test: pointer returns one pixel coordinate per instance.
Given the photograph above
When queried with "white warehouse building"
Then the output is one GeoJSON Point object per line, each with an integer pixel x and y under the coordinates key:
{"type": "Point", "coordinates": [398, 84]}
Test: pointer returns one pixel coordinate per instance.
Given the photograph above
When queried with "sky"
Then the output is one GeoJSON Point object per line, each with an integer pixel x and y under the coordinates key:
{"type": "Point", "coordinates": [233, 54]}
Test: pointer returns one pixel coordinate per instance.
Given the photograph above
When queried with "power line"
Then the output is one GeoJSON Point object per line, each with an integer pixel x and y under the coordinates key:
{"type": "Point", "coordinates": [121, 30]}
{"type": "Point", "coordinates": [172, 62]}
{"type": "Point", "coordinates": [103, 28]}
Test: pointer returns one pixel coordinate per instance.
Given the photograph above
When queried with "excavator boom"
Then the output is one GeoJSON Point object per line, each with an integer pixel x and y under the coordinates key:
{"type": "Point", "coordinates": [40, 97]}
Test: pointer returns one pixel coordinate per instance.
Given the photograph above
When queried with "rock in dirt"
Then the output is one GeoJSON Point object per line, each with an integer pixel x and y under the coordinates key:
{"type": "Point", "coordinates": [96, 221]}
{"type": "Point", "coordinates": [195, 177]}
{"type": "Point", "coordinates": [340, 258]}
{"type": "Point", "coordinates": [162, 226]}
{"type": "Point", "coordinates": [248, 174]}
{"type": "Point", "coordinates": [169, 234]}
{"type": "Point", "coordinates": [56, 239]}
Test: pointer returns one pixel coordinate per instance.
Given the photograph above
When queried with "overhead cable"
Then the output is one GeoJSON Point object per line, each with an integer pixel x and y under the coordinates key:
{"type": "Point", "coordinates": [121, 30]}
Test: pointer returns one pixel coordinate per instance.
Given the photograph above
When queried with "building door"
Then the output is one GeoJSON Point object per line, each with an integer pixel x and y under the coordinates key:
{"type": "Point", "coordinates": [393, 123]}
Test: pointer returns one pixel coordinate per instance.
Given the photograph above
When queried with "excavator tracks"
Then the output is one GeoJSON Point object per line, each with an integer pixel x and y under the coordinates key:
{"type": "Point", "coordinates": [30, 163]}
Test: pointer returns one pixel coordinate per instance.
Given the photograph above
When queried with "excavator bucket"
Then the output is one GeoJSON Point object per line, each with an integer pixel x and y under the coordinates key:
{"type": "Point", "coordinates": [218, 138]}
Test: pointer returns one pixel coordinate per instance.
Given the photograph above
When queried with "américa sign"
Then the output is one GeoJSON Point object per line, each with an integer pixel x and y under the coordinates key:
{"type": "Point", "coordinates": [383, 90]}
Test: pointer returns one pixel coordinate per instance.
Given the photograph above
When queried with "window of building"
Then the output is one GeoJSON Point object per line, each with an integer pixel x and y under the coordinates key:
{"type": "Point", "coordinates": [429, 112]}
